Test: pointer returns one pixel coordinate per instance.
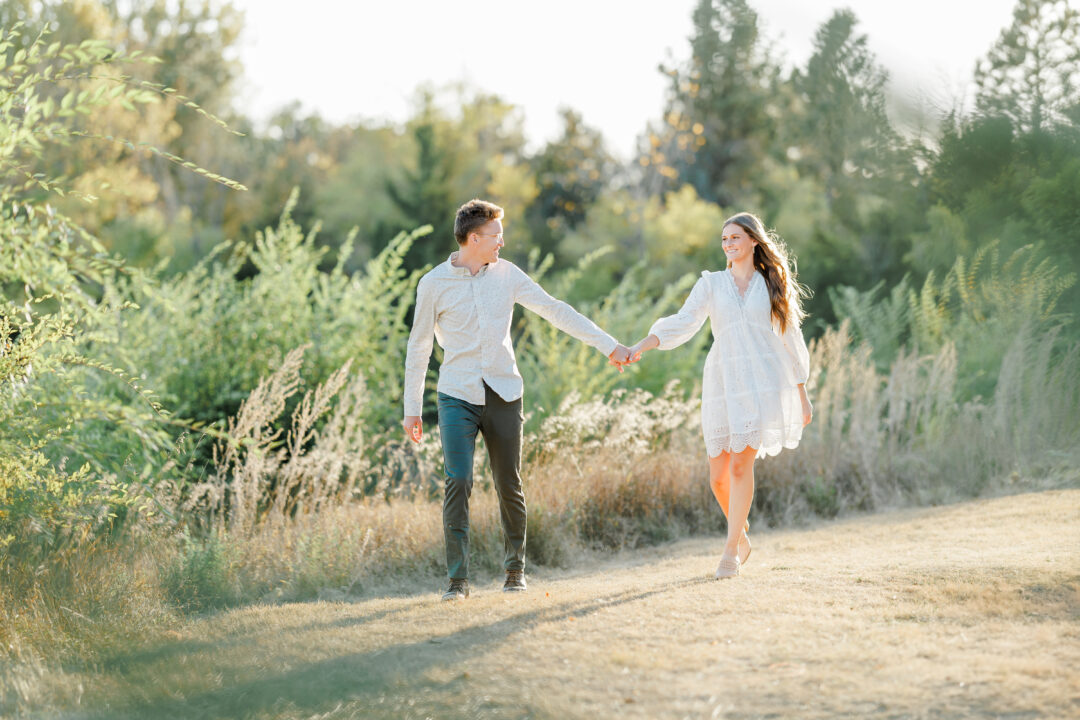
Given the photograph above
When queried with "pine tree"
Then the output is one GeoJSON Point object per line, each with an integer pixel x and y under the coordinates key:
{"type": "Point", "coordinates": [718, 122]}
{"type": "Point", "coordinates": [844, 131]}
{"type": "Point", "coordinates": [1032, 73]}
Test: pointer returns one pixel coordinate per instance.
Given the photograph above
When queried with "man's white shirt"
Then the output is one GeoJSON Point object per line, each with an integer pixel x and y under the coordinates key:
{"type": "Point", "coordinates": [470, 316]}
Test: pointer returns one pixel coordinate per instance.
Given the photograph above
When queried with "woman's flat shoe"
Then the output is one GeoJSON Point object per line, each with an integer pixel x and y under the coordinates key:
{"type": "Point", "coordinates": [744, 548]}
{"type": "Point", "coordinates": [728, 567]}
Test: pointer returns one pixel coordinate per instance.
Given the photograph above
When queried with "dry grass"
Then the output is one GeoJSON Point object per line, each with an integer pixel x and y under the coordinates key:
{"type": "Point", "coordinates": [301, 515]}
{"type": "Point", "coordinates": [970, 610]}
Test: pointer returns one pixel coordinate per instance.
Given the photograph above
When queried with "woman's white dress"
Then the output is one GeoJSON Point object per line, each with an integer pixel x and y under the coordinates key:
{"type": "Point", "coordinates": [750, 395]}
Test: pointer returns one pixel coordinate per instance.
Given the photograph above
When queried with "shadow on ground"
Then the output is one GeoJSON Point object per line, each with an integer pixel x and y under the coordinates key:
{"type": "Point", "coordinates": [331, 684]}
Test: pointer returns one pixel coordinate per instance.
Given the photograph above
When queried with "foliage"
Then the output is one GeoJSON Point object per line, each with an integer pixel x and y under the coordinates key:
{"type": "Point", "coordinates": [1029, 75]}
{"type": "Point", "coordinates": [981, 305]}
{"type": "Point", "coordinates": [59, 394]}
{"type": "Point", "coordinates": [721, 108]}
{"type": "Point", "coordinates": [450, 154]}
{"type": "Point", "coordinates": [225, 331]}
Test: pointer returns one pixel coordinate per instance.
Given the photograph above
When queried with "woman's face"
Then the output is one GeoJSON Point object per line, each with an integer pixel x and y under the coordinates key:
{"type": "Point", "coordinates": [737, 243]}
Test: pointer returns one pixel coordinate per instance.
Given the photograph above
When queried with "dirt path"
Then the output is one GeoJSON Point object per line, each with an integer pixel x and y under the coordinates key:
{"type": "Point", "coordinates": [970, 610]}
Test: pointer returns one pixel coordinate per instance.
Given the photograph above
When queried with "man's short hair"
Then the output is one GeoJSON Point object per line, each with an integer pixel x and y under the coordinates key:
{"type": "Point", "coordinates": [474, 214]}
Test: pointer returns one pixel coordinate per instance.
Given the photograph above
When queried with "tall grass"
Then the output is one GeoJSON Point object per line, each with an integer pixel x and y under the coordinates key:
{"type": "Point", "coordinates": [629, 469]}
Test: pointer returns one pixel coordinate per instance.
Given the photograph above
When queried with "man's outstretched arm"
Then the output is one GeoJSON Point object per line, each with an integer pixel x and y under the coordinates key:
{"type": "Point", "coordinates": [416, 360]}
{"type": "Point", "coordinates": [563, 316]}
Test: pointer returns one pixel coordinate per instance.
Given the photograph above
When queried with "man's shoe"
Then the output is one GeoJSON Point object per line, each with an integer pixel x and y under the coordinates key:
{"type": "Point", "coordinates": [515, 581]}
{"type": "Point", "coordinates": [459, 590]}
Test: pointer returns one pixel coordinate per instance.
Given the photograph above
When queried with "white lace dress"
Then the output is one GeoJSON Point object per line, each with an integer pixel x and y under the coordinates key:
{"type": "Point", "coordinates": [750, 395]}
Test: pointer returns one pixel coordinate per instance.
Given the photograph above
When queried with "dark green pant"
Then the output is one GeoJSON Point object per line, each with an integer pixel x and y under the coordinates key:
{"type": "Point", "coordinates": [500, 424]}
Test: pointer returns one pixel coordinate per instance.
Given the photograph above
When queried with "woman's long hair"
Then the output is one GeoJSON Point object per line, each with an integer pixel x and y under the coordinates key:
{"type": "Point", "coordinates": [771, 259]}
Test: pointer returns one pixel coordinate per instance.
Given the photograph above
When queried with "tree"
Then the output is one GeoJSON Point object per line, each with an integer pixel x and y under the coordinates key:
{"type": "Point", "coordinates": [451, 163]}
{"type": "Point", "coordinates": [844, 130]}
{"type": "Point", "coordinates": [425, 195]}
{"type": "Point", "coordinates": [719, 119]}
{"type": "Point", "coordinates": [146, 207]}
{"type": "Point", "coordinates": [571, 174]}
{"type": "Point", "coordinates": [1032, 73]}
{"type": "Point", "coordinates": [71, 442]}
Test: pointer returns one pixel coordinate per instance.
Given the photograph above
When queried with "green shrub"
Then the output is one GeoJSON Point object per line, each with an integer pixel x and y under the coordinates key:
{"type": "Point", "coordinates": [77, 434]}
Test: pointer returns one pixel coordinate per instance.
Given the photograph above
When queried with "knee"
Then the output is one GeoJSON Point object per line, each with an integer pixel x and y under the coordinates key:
{"type": "Point", "coordinates": [509, 486]}
{"type": "Point", "coordinates": [458, 486]}
{"type": "Point", "coordinates": [456, 504]}
{"type": "Point", "coordinates": [719, 481]}
{"type": "Point", "coordinates": [742, 469]}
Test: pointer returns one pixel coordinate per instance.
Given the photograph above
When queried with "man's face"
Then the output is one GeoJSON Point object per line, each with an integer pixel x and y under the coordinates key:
{"type": "Point", "coordinates": [487, 240]}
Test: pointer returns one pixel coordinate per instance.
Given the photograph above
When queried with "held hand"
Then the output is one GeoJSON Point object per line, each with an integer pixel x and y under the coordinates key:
{"type": "Point", "coordinates": [619, 356]}
{"type": "Point", "coordinates": [414, 427]}
{"type": "Point", "coordinates": [641, 346]}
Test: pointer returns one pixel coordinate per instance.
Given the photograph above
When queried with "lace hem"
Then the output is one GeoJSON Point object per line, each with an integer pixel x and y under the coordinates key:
{"type": "Point", "coordinates": [768, 443]}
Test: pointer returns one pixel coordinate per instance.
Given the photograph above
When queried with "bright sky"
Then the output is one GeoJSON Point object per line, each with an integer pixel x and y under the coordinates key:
{"type": "Point", "coordinates": [363, 60]}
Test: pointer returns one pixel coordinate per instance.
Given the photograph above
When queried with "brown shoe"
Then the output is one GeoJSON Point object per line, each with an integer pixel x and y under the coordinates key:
{"type": "Point", "coordinates": [459, 590]}
{"type": "Point", "coordinates": [515, 581]}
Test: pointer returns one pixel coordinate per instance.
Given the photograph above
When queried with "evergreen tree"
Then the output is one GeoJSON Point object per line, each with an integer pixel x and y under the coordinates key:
{"type": "Point", "coordinates": [846, 137]}
{"type": "Point", "coordinates": [1032, 73]}
{"type": "Point", "coordinates": [571, 174]}
{"type": "Point", "coordinates": [719, 119]}
{"type": "Point", "coordinates": [425, 193]}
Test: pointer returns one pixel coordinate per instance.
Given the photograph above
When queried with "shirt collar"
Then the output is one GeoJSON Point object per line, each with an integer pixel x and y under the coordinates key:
{"type": "Point", "coordinates": [464, 271]}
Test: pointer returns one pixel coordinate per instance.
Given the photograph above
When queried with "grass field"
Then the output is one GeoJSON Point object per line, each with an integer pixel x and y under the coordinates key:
{"type": "Point", "coordinates": [968, 610]}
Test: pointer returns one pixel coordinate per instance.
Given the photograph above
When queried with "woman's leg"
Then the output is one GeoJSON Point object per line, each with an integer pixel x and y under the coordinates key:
{"type": "Point", "coordinates": [740, 496]}
{"type": "Point", "coordinates": [720, 482]}
{"type": "Point", "coordinates": [720, 479]}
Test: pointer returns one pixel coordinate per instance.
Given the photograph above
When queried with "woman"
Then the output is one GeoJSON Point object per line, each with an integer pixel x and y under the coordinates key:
{"type": "Point", "coordinates": [753, 399]}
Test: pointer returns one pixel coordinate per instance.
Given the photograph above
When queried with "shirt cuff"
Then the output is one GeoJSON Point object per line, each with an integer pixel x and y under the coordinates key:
{"type": "Point", "coordinates": [659, 338]}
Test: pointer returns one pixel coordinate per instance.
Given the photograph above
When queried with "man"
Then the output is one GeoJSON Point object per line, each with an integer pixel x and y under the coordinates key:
{"type": "Point", "coordinates": [468, 302]}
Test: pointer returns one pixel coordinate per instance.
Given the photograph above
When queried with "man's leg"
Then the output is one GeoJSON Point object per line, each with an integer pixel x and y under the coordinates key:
{"type": "Point", "coordinates": [459, 422]}
{"type": "Point", "coordinates": [501, 426]}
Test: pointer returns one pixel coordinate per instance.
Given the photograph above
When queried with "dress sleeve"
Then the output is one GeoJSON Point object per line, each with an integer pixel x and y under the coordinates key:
{"type": "Point", "coordinates": [797, 352]}
{"type": "Point", "coordinates": [562, 315]}
{"type": "Point", "coordinates": [419, 349]}
{"type": "Point", "coordinates": [674, 330]}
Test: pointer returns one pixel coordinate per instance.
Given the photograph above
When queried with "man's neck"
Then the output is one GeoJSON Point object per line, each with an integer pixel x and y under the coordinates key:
{"type": "Point", "coordinates": [464, 260]}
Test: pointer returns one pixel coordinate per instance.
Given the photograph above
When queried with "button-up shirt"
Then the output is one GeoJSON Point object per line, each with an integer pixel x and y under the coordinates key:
{"type": "Point", "coordinates": [470, 316]}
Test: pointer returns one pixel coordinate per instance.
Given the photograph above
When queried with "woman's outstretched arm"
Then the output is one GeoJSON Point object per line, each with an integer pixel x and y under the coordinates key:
{"type": "Point", "coordinates": [647, 343]}
{"type": "Point", "coordinates": [674, 330]}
